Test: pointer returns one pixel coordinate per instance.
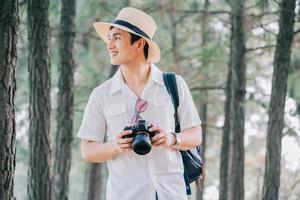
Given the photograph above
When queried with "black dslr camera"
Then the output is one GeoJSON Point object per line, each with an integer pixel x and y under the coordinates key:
{"type": "Point", "coordinates": [141, 137]}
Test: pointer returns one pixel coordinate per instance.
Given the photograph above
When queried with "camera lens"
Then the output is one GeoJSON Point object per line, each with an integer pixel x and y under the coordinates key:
{"type": "Point", "coordinates": [141, 143]}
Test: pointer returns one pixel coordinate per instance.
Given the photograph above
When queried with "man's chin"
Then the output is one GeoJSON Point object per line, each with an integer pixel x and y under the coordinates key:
{"type": "Point", "coordinates": [114, 62]}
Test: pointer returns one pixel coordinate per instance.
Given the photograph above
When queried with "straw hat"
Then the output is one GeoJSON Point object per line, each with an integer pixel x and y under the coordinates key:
{"type": "Point", "coordinates": [134, 21]}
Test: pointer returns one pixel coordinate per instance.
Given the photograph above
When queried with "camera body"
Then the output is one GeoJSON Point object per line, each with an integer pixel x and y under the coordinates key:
{"type": "Point", "coordinates": [141, 137]}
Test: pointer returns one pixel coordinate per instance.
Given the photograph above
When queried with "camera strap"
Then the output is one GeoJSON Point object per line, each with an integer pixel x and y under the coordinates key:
{"type": "Point", "coordinates": [171, 86]}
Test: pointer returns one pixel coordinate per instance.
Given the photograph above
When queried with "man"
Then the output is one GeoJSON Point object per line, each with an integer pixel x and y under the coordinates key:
{"type": "Point", "coordinates": [136, 92]}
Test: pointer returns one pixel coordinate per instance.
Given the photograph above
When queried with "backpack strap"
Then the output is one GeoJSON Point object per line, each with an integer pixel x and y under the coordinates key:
{"type": "Point", "coordinates": [171, 86]}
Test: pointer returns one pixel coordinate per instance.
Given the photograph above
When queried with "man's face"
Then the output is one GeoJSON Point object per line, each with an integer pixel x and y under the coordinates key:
{"type": "Point", "coordinates": [120, 49]}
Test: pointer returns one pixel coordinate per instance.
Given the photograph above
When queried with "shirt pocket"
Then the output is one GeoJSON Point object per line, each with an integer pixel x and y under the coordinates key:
{"type": "Point", "coordinates": [164, 112]}
{"type": "Point", "coordinates": [116, 118]}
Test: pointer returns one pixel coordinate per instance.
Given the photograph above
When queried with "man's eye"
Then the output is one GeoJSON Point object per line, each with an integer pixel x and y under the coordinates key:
{"type": "Point", "coordinates": [118, 38]}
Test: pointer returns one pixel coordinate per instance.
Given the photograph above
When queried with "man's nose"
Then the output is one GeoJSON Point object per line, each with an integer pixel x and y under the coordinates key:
{"type": "Point", "coordinates": [110, 44]}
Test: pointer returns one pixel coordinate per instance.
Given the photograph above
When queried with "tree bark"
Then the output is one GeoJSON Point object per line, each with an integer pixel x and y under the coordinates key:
{"type": "Point", "coordinates": [9, 22]}
{"type": "Point", "coordinates": [65, 101]}
{"type": "Point", "coordinates": [39, 183]}
{"type": "Point", "coordinates": [205, 34]}
{"type": "Point", "coordinates": [203, 114]}
{"type": "Point", "coordinates": [225, 143]}
{"type": "Point", "coordinates": [232, 155]}
{"type": "Point", "coordinates": [174, 43]}
{"type": "Point", "coordinates": [277, 102]}
{"type": "Point", "coordinates": [93, 183]}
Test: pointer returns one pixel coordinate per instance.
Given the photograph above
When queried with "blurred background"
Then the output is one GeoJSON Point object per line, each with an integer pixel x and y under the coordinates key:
{"type": "Point", "coordinates": [195, 40]}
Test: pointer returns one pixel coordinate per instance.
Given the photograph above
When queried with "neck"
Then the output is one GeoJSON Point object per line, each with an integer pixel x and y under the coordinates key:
{"type": "Point", "coordinates": [136, 73]}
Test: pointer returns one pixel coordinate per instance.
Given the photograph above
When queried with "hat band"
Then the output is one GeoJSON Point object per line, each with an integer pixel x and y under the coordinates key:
{"type": "Point", "coordinates": [131, 27]}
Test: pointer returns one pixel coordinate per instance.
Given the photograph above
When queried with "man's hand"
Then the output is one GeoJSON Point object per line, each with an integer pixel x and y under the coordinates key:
{"type": "Point", "coordinates": [124, 144]}
{"type": "Point", "coordinates": [162, 138]}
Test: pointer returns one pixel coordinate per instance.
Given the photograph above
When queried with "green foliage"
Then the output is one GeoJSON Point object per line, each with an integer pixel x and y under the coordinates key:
{"type": "Point", "coordinates": [263, 4]}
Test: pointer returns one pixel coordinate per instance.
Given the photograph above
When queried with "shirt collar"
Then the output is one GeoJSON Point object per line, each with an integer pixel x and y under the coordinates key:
{"type": "Point", "coordinates": [117, 80]}
{"type": "Point", "coordinates": [156, 75]}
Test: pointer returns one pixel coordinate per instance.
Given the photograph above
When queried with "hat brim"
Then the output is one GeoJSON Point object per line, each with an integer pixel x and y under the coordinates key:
{"type": "Point", "coordinates": [102, 30]}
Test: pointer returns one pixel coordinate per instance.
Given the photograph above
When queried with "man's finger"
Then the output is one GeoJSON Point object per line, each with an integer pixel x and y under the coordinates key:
{"type": "Point", "coordinates": [125, 141]}
{"type": "Point", "coordinates": [158, 136]}
{"type": "Point", "coordinates": [127, 145]}
{"type": "Point", "coordinates": [159, 141]}
{"type": "Point", "coordinates": [154, 129]}
{"type": "Point", "coordinates": [123, 133]}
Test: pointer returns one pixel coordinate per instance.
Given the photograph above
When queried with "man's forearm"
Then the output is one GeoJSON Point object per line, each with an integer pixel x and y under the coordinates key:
{"type": "Point", "coordinates": [98, 152]}
{"type": "Point", "coordinates": [190, 138]}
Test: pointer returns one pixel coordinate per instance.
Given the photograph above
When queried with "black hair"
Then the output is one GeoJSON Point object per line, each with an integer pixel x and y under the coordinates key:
{"type": "Point", "coordinates": [134, 38]}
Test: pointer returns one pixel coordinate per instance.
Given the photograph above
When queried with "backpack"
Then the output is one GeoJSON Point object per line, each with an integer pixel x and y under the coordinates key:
{"type": "Point", "coordinates": [192, 159]}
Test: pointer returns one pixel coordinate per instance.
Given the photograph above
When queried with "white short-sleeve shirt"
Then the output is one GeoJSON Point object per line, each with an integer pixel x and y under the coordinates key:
{"type": "Point", "coordinates": [111, 107]}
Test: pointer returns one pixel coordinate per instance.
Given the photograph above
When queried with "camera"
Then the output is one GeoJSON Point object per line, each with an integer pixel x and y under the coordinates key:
{"type": "Point", "coordinates": [141, 137]}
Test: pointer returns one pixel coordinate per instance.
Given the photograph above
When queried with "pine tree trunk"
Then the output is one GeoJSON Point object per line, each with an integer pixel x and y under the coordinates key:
{"type": "Point", "coordinates": [205, 34]}
{"type": "Point", "coordinates": [277, 102]}
{"type": "Point", "coordinates": [234, 111]}
{"type": "Point", "coordinates": [39, 183]}
{"type": "Point", "coordinates": [64, 134]}
{"type": "Point", "coordinates": [203, 114]}
{"type": "Point", "coordinates": [174, 38]}
{"type": "Point", "coordinates": [223, 187]}
{"type": "Point", "coordinates": [93, 183]}
{"type": "Point", "coordinates": [9, 21]}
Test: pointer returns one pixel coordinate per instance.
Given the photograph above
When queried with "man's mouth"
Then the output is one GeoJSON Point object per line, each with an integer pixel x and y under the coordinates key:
{"type": "Point", "coordinates": [114, 53]}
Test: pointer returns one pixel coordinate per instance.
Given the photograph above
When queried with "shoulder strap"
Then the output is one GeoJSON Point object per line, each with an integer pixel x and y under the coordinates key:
{"type": "Point", "coordinates": [171, 86]}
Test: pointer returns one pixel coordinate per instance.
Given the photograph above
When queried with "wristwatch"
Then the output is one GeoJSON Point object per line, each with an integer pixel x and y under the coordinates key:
{"type": "Point", "coordinates": [177, 139]}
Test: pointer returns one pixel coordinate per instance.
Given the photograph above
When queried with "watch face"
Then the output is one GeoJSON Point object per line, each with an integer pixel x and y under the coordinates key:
{"type": "Point", "coordinates": [178, 140]}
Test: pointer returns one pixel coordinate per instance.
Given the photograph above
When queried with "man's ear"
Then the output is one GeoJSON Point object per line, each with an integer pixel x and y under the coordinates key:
{"type": "Point", "coordinates": [141, 43]}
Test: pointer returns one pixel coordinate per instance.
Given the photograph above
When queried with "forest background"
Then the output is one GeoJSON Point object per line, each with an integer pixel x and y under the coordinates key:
{"type": "Point", "coordinates": [195, 38]}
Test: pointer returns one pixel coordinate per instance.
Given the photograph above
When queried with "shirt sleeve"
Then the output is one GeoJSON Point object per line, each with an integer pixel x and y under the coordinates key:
{"type": "Point", "coordinates": [187, 112]}
{"type": "Point", "coordinates": [93, 126]}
